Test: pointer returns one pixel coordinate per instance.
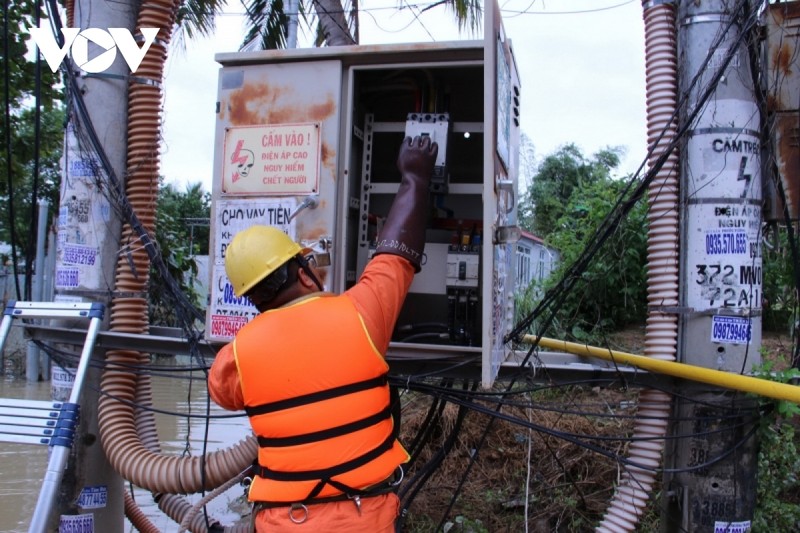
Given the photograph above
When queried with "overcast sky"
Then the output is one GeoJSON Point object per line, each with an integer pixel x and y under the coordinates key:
{"type": "Point", "coordinates": [581, 65]}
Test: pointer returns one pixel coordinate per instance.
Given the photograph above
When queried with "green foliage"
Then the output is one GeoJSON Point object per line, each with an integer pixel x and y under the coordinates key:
{"type": "Point", "coordinates": [51, 136]}
{"type": "Point", "coordinates": [780, 293]}
{"type": "Point", "coordinates": [187, 215]}
{"type": "Point", "coordinates": [17, 206]}
{"type": "Point", "coordinates": [613, 289]}
{"type": "Point", "coordinates": [778, 487]}
{"type": "Point", "coordinates": [22, 77]}
{"type": "Point", "coordinates": [465, 525]}
{"type": "Point", "coordinates": [179, 238]}
{"type": "Point", "coordinates": [571, 197]}
{"type": "Point", "coordinates": [559, 175]}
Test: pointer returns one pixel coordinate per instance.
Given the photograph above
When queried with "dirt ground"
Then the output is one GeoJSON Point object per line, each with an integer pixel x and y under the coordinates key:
{"type": "Point", "coordinates": [567, 487]}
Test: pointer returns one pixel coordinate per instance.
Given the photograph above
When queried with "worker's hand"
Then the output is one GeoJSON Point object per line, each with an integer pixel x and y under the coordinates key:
{"type": "Point", "coordinates": [417, 157]}
{"type": "Point", "coordinates": [403, 233]}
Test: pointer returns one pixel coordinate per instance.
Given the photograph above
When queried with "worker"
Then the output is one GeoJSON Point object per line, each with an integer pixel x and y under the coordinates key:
{"type": "Point", "coordinates": [310, 369]}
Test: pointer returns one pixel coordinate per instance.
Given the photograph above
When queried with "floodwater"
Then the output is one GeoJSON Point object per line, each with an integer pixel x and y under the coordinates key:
{"type": "Point", "coordinates": [22, 467]}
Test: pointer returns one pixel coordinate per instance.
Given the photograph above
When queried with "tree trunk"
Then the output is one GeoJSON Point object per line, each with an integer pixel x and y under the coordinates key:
{"type": "Point", "coordinates": [333, 22]}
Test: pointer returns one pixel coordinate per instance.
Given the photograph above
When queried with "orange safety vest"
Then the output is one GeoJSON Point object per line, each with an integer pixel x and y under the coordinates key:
{"type": "Point", "coordinates": [315, 389]}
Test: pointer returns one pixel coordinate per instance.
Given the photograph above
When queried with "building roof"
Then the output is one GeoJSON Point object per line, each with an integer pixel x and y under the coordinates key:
{"type": "Point", "coordinates": [531, 237]}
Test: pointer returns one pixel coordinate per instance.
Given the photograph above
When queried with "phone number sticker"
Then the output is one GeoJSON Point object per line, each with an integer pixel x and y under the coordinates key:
{"type": "Point", "coordinates": [226, 326]}
{"type": "Point", "coordinates": [67, 278]}
{"type": "Point", "coordinates": [95, 497]}
{"type": "Point", "coordinates": [726, 242]}
{"type": "Point", "coordinates": [731, 330]}
{"type": "Point", "coordinates": [732, 527]}
{"type": "Point", "coordinates": [81, 523]}
{"type": "Point", "coordinates": [78, 254]}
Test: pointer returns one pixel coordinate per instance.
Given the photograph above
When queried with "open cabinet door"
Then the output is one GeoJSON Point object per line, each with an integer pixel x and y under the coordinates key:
{"type": "Point", "coordinates": [501, 167]}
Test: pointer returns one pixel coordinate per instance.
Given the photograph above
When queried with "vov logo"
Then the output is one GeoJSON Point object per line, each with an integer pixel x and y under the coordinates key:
{"type": "Point", "coordinates": [78, 42]}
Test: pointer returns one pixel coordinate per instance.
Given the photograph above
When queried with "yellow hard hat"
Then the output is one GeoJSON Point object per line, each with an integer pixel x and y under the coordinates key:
{"type": "Point", "coordinates": [255, 253]}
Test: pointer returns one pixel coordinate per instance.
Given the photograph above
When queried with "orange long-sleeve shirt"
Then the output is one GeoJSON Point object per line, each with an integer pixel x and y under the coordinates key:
{"type": "Point", "coordinates": [378, 296]}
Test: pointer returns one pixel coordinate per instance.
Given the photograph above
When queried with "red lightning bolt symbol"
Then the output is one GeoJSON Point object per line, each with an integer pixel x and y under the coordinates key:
{"type": "Point", "coordinates": [238, 158]}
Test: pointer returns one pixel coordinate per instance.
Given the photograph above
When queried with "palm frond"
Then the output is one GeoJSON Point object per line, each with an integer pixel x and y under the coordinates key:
{"type": "Point", "coordinates": [268, 25]}
{"type": "Point", "coordinates": [469, 13]}
{"type": "Point", "coordinates": [197, 18]}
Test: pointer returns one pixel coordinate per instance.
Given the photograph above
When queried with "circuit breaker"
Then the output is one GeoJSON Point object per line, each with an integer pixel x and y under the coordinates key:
{"type": "Point", "coordinates": [437, 127]}
{"type": "Point", "coordinates": [307, 141]}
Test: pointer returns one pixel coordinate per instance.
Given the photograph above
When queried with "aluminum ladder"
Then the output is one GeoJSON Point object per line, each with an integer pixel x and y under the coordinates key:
{"type": "Point", "coordinates": [48, 422]}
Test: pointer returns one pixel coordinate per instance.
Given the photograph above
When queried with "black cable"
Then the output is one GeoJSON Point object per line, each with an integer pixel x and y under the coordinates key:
{"type": "Point", "coordinates": [455, 396]}
{"type": "Point", "coordinates": [409, 492]}
{"type": "Point", "coordinates": [431, 420]}
{"type": "Point", "coordinates": [624, 206]}
{"type": "Point", "coordinates": [625, 203]}
{"type": "Point", "coordinates": [186, 312]}
{"type": "Point", "coordinates": [37, 123]}
{"type": "Point", "coordinates": [131, 368]}
{"type": "Point", "coordinates": [113, 189]}
{"type": "Point", "coordinates": [9, 152]}
{"type": "Point", "coordinates": [150, 408]}
{"type": "Point", "coordinates": [494, 414]}
{"type": "Point", "coordinates": [564, 411]}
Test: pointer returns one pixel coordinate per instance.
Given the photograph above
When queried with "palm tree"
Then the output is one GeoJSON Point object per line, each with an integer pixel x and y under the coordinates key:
{"type": "Point", "coordinates": [334, 22]}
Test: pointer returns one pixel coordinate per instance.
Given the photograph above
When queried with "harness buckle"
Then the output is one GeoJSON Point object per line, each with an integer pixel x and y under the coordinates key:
{"type": "Point", "coordinates": [357, 500]}
{"type": "Point", "coordinates": [399, 479]}
{"type": "Point", "coordinates": [298, 508]}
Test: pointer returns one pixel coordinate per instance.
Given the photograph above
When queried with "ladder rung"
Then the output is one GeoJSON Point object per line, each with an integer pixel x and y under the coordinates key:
{"type": "Point", "coordinates": [21, 429]}
{"type": "Point", "coordinates": [28, 421]}
{"type": "Point", "coordinates": [32, 405]}
{"type": "Point", "coordinates": [24, 439]}
{"type": "Point", "coordinates": [54, 309]}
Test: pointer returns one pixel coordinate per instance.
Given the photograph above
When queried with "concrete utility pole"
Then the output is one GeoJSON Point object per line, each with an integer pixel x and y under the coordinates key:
{"type": "Point", "coordinates": [91, 498]}
{"type": "Point", "coordinates": [714, 456]}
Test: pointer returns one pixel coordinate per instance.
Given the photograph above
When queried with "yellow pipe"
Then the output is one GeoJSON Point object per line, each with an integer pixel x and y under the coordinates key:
{"type": "Point", "coordinates": [763, 387]}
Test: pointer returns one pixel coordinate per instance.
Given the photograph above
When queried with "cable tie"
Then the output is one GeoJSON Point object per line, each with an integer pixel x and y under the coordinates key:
{"type": "Point", "coordinates": [656, 3]}
{"type": "Point", "coordinates": [129, 78]}
{"type": "Point", "coordinates": [146, 81]}
{"type": "Point", "coordinates": [84, 74]}
{"type": "Point", "coordinates": [670, 309]}
{"type": "Point", "coordinates": [158, 7]}
{"type": "Point", "coordinates": [163, 43]}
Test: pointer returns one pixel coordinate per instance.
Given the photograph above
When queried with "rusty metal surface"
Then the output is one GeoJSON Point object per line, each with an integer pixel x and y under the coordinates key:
{"type": "Point", "coordinates": [448, 51]}
{"type": "Point", "coordinates": [787, 155]}
{"type": "Point", "coordinates": [783, 41]}
{"type": "Point", "coordinates": [783, 93]}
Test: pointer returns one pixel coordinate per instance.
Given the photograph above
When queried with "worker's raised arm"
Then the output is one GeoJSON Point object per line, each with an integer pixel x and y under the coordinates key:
{"type": "Point", "coordinates": [383, 285]}
{"type": "Point", "coordinates": [403, 232]}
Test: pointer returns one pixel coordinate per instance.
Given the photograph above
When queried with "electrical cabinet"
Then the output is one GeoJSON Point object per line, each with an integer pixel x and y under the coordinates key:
{"type": "Point", "coordinates": [307, 140]}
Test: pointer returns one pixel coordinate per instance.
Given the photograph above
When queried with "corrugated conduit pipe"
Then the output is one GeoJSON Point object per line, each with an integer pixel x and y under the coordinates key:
{"type": "Point", "coordinates": [139, 461]}
{"type": "Point", "coordinates": [661, 333]}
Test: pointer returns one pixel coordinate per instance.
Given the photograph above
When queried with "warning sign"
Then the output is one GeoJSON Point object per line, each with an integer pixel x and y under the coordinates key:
{"type": "Point", "coordinates": [279, 159]}
{"type": "Point", "coordinates": [228, 312]}
{"type": "Point", "coordinates": [232, 216]}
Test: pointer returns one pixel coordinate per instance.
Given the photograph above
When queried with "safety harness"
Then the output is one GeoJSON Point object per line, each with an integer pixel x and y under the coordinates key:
{"type": "Point", "coordinates": [325, 475]}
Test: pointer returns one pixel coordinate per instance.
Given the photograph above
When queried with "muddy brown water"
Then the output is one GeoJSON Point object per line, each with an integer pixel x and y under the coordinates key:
{"type": "Point", "coordinates": [22, 467]}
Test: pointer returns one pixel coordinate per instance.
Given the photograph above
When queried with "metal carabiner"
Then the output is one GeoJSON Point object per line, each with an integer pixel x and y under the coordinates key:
{"type": "Point", "coordinates": [356, 500]}
{"type": "Point", "coordinates": [399, 479]}
{"type": "Point", "coordinates": [298, 507]}
{"type": "Point", "coordinates": [254, 511]}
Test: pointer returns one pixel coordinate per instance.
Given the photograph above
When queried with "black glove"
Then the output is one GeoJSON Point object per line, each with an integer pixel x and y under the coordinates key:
{"type": "Point", "coordinates": [403, 232]}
